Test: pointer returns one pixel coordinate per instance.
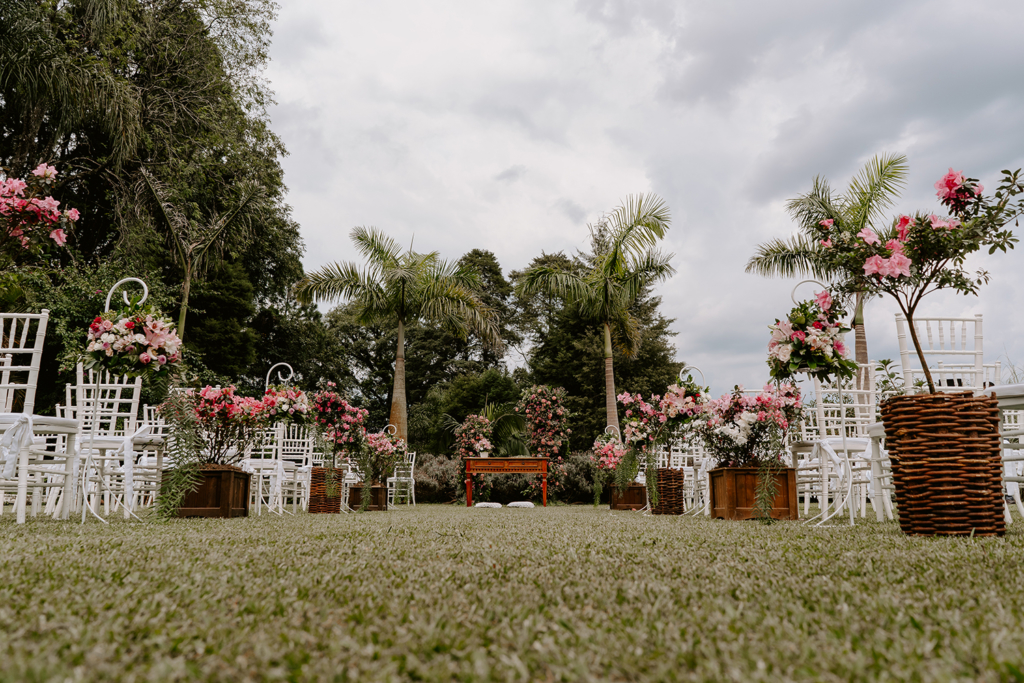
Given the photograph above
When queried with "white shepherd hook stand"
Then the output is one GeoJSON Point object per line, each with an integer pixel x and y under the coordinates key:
{"type": "Point", "coordinates": [96, 407]}
{"type": "Point", "coordinates": [842, 421]}
{"type": "Point", "coordinates": [280, 374]}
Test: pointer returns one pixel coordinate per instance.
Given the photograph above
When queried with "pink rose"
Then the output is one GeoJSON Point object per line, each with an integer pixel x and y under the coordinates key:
{"type": "Point", "coordinates": [868, 235]}
{"type": "Point", "coordinates": [798, 336]}
{"type": "Point", "coordinates": [144, 359]}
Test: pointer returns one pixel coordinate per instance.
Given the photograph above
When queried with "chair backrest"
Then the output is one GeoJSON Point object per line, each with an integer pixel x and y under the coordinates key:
{"type": "Point", "coordinates": [21, 346]}
{"type": "Point", "coordinates": [953, 348]}
{"type": "Point", "coordinates": [859, 405]}
{"type": "Point", "coordinates": [296, 444]}
{"type": "Point", "coordinates": [268, 444]}
{"type": "Point", "coordinates": [118, 406]}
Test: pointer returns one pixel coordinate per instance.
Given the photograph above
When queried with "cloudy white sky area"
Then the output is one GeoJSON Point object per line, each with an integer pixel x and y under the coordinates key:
{"type": "Point", "coordinates": [508, 125]}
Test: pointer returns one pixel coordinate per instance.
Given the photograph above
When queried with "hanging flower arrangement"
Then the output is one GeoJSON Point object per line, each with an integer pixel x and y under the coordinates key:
{"type": "Point", "coordinates": [340, 423]}
{"type": "Point", "coordinates": [810, 339]}
{"type": "Point", "coordinates": [135, 340]}
{"type": "Point", "coordinates": [287, 404]}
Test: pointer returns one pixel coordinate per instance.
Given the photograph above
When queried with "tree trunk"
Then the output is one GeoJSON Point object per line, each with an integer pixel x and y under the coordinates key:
{"type": "Point", "coordinates": [399, 409]}
{"type": "Point", "coordinates": [860, 338]}
{"type": "Point", "coordinates": [185, 287]}
{"type": "Point", "coordinates": [920, 353]}
{"type": "Point", "coordinates": [611, 409]}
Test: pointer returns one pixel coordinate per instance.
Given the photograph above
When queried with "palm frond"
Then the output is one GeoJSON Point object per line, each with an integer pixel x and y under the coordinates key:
{"type": "Point", "coordinates": [561, 284]}
{"type": "Point", "coordinates": [379, 249]}
{"type": "Point", "coordinates": [798, 256]}
{"type": "Point", "coordinates": [635, 226]}
{"type": "Point", "coordinates": [339, 281]}
{"type": "Point", "coordinates": [876, 188]}
{"type": "Point", "coordinates": [808, 210]}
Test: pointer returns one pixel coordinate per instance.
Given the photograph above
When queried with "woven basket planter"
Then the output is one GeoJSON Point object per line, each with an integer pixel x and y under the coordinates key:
{"type": "Point", "coordinates": [633, 498]}
{"type": "Point", "coordinates": [946, 463]}
{"type": "Point", "coordinates": [670, 492]}
{"type": "Point", "coordinates": [319, 501]}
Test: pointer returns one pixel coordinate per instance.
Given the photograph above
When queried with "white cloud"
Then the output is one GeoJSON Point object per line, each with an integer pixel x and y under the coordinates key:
{"type": "Point", "coordinates": [509, 125]}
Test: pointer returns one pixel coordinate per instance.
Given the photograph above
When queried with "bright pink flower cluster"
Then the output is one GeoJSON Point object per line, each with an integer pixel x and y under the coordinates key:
{"type": "Point", "coordinates": [134, 341]}
{"type": "Point", "coordinates": [608, 452]}
{"type": "Point", "coordinates": [229, 423]}
{"type": "Point", "coordinates": [544, 411]}
{"type": "Point", "coordinates": [27, 219]}
{"type": "Point", "coordinates": [341, 422]}
{"type": "Point", "coordinates": [957, 192]}
{"type": "Point", "coordinates": [473, 437]}
{"type": "Point", "coordinates": [642, 421]}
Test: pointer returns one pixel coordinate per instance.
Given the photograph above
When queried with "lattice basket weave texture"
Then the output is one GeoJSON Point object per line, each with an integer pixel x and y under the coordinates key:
{"type": "Point", "coordinates": [670, 492]}
{"type": "Point", "coordinates": [946, 463]}
{"type": "Point", "coordinates": [319, 503]}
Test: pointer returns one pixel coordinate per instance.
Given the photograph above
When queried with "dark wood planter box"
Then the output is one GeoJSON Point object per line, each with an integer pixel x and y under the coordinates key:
{"type": "Point", "coordinates": [378, 497]}
{"type": "Point", "coordinates": [947, 467]}
{"type": "Point", "coordinates": [633, 498]}
{"type": "Point", "coordinates": [319, 501]}
{"type": "Point", "coordinates": [223, 492]}
{"type": "Point", "coordinates": [733, 493]}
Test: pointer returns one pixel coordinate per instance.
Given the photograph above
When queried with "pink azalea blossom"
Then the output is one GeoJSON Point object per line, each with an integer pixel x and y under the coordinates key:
{"type": "Point", "coordinates": [827, 223]}
{"type": "Point", "coordinates": [899, 264]}
{"type": "Point", "coordinates": [895, 246]}
{"type": "Point", "coordinates": [73, 214]}
{"type": "Point", "coordinates": [903, 226]}
{"type": "Point", "coordinates": [824, 300]}
{"type": "Point", "coordinates": [826, 243]}
{"type": "Point", "coordinates": [59, 237]}
{"type": "Point", "coordinates": [868, 235]}
{"type": "Point", "coordinates": [875, 264]}
{"type": "Point", "coordinates": [947, 185]}
{"type": "Point", "coordinates": [45, 172]}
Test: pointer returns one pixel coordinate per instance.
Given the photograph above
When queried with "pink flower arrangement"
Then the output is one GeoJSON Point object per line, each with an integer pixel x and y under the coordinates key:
{"type": "Point", "coordinates": [287, 404]}
{"type": "Point", "coordinates": [543, 409]}
{"type": "Point", "coordinates": [810, 338]}
{"type": "Point", "coordinates": [228, 422]}
{"type": "Point", "coordinates": [341, 423]}
{"type": "Point", "coordinates": [473, 436]}
{"type": "Point", "coordinates": [608, 452]}
{"type": "Point", "coordinates": [743, 431]}
{"type": "Point", "coordinates": [31, 223]}
{"type": "Point", "coordinates": [133, 341]}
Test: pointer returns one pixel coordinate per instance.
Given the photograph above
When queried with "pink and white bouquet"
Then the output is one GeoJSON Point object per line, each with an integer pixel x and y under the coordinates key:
{"type": "Point", "coordinates": [745, 431]}
{"type": "Point", "coordinates": [811, 339]}
{"type": "Point", "coordinates": [543, 408]}
{"type": "Point", "coordinates": [31, 223]}
{"type": "Point", "coordinates": [134, 341]}
{"type": "Point", "coordinates": [287, 404]}
{"type": "Point", "coordinates": [608, 452]}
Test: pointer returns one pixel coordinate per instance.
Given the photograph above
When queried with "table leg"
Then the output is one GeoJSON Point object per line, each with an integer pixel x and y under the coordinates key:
{"type": "Point", "coordinates": [469, 490]}
{"type": "Point", "coordinates": [544, 488]}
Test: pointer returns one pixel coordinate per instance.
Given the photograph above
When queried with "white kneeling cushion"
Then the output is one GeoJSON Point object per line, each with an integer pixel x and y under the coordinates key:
{"type": "Point", "coordinates": [521, 504]}
{"type": "Point", "coordinates": [487, 505]}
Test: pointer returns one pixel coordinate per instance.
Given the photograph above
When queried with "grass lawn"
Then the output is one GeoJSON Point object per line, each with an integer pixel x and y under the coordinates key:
{"type": "Point", "coordinates": [446, 593]}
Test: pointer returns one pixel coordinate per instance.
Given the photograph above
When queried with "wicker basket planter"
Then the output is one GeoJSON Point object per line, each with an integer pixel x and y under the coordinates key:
{"type": "Point", "coordinates": [633, 498]}
{"type": "Point", "coordinates": [670, 492]}
{"type": "Point", "coordinates": [223, 492]}
{"type": "Point", "coordinates": [378, 497]}
{"type": "Point", "coordinates": [319, 501]}
{"type": "Point", "coordinates": [946, 463]}
{"type": "Point", "coordinates": [733, 493]}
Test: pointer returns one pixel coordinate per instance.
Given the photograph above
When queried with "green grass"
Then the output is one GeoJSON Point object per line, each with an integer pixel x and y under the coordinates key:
{"type": "Point", "coordinates": [446, 593]}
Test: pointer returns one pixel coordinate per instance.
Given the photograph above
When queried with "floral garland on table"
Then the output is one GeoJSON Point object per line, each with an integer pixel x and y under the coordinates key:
{"type": "Point", "coordinates": [136, 340]}
{"type": "Point", "coordinates": [339, 423]}
{"type": "Point", "coordinates": [543, 409]}
{"type": "Point", "coordinates": [472, 438]}
{"type": "Point", "coordinates": [30, 224]}
{"type": "Point", "coordinates": [811, 339]}
{"type": "Point", "coordinates": [287, 404]}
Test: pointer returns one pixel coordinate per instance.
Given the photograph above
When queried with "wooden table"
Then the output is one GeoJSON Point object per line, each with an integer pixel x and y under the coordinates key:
{"type": "Point", "coordinates": [510, 465]}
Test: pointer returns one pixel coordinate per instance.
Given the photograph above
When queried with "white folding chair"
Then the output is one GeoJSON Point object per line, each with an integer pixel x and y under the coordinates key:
{"type": "Point", "coordinates": [21, 346]}
{"type": "Point", "coordinates": [38, 454]}
{"type": "Point", "coordinates": [1010, 398]}
{"type": "Point", "coordinates": [954, 350]}
{"type": "Point", "coordinates": [402, 484]}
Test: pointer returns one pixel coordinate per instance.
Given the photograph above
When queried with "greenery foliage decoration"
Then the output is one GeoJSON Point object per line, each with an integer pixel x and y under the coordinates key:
{"type": "Point", "coordinates": [810, 340]}
{"type": "Point", "coordinates": [922, 253]}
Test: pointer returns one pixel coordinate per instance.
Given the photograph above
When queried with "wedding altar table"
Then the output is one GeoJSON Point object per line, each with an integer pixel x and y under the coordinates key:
{"type": "Point", "coordinates": [506, 465]}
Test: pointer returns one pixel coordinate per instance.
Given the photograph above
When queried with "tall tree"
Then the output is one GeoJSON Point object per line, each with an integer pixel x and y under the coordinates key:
{"type": "Point", "coordinates": [399, 288]}
{"type": "Point", "coordinates": [874, 189]}
{"type": "Point", "coordinates": [624, 264]}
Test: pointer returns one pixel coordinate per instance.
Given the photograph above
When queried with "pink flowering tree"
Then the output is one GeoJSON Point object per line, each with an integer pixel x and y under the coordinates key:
{"type": "Point", "coordinates": [925, 252]}
{"type": "Point", "coordinates": [543, 409]}
{"type": "Point", "coordinates": [31, 221]}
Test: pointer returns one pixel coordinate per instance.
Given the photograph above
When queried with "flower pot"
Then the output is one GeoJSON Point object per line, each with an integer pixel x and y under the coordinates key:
{"type": "Point", "coordinates": [671, 499]}
{"type": "Point", "coordinates": [223, 492]}
{"type": "Point", "coordinates": [378, 497]}
{"type": "Point", "coordinates": [633, 498]}
{"type": "Point", "coordinates": [734, 493]}
{"type": "Point", "coordinates": [319, 501]}
{"type": "Point", "coordinates": [946, 463]}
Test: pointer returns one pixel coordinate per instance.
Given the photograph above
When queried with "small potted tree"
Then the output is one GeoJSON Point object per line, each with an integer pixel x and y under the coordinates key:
{"type": "Point", "coordinates": [935, 437]}
{"type": "Point", "coordinates": [339, 427]}
{"type": "Point", "coordinates": [376, 460]}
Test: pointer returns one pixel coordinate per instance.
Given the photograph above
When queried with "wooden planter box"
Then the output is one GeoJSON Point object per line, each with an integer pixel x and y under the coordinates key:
{"type": "Point", "coordinates": [733, 493]}
{"type": "Point", "coordinates": [633, 498]}
{"type": "Point", "coordinates": [223, 492]}
{"type": "Point", "coordinates": [947, 468]}
{"type": "Point", "coordinates": [378, 497]}
{"type": "Point", "coordinates": [319, 501]}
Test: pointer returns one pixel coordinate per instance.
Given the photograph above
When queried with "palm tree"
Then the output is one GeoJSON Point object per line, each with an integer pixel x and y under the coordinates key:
{"type": "Point", "coordinates": [193, 242]}
{"type": "Point", "coordinates": [400, 288]}
{"type": "Point", "coordinates": [874, 189]}
{"type": "Point", "coordinates": [623, 266]}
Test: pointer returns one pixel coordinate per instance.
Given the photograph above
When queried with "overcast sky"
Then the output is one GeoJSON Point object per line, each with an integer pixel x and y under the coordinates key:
{"type": "Point", "coordinates": [509, 125]}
